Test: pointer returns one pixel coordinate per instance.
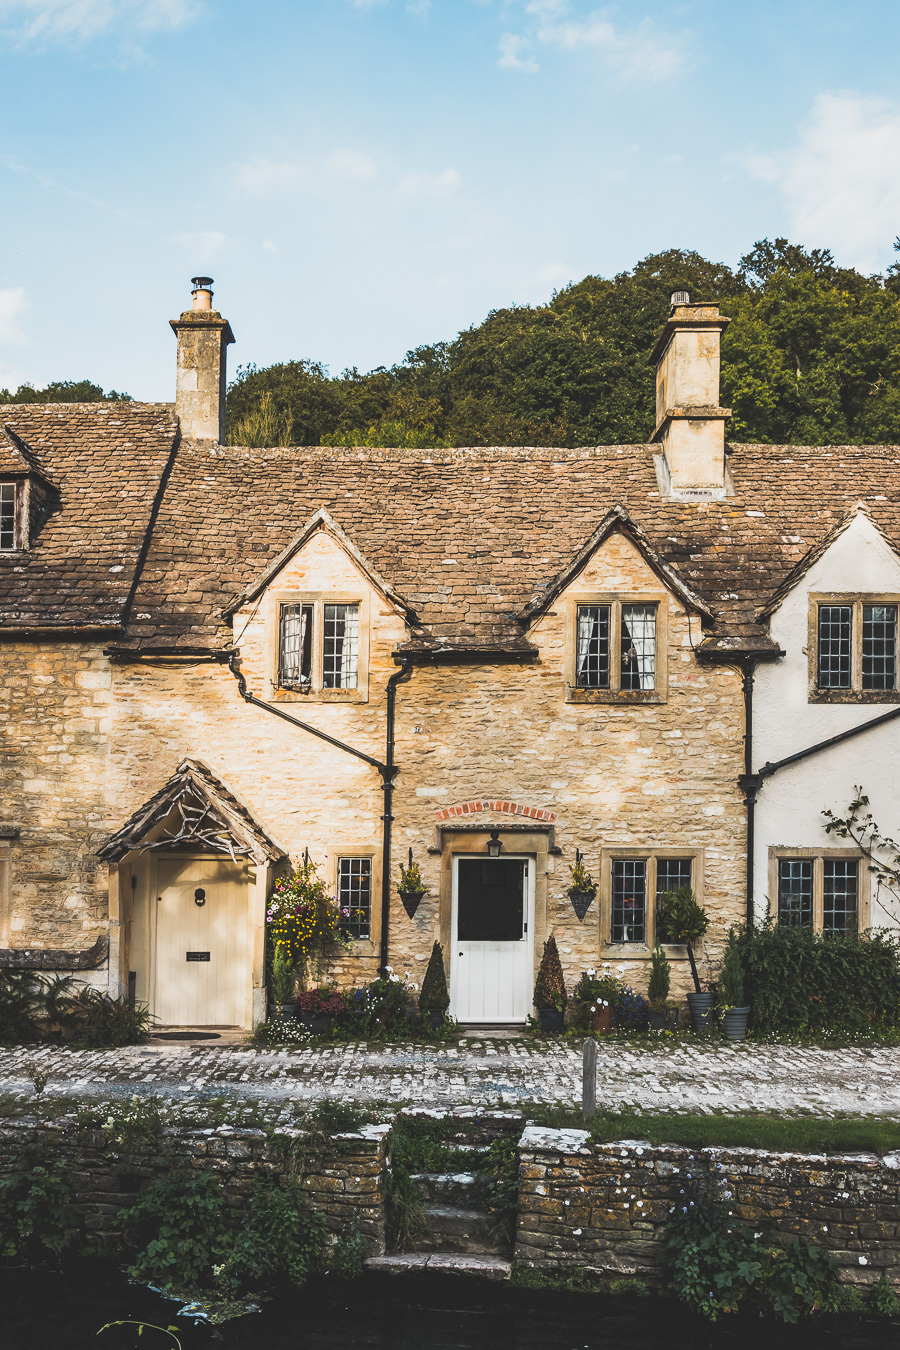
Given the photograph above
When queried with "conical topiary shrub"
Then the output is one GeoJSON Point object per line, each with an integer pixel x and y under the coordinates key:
{"type": "Point", "coordinates": [435, 996]}
{"type": "Point", "coordinates": [550, 989]}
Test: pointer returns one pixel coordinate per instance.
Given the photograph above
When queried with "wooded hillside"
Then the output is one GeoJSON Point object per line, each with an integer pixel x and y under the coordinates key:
{"type": "Point", "coordinates": [812, 356]}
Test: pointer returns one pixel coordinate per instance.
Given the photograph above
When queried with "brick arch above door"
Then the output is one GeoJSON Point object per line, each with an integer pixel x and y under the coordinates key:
{"type": "Point", "coordinates": [494, 805]}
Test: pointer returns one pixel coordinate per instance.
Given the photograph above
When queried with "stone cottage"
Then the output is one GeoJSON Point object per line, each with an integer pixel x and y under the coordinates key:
{"type": "Point", "coordinates": [216, 658]}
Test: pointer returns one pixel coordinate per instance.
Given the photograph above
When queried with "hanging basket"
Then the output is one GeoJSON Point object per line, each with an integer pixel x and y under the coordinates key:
{"type": "Point", "coordinates": [581, 901]}
{"type": "Point", "coordinates": [411, 901]}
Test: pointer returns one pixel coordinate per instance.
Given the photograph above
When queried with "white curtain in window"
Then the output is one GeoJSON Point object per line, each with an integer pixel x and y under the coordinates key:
{"type": "Point", "coordinates": [293, 639]}
{"type": "Point", "coordinates": [588, 632]}
{"type": "Point", "coordinates": [639, 643]}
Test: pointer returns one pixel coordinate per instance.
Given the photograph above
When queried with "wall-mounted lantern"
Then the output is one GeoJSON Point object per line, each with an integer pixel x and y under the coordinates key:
{"type": "Point", "coordinates": [494, 846]}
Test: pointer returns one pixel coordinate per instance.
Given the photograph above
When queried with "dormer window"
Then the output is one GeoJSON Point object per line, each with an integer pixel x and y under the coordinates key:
{"type": "Point", "coordinates": [9, 524]}
{"type": "Point", "coordinates": [616, 650]}
{"type": "Point", "coordinates": [855, 645]}
{"type": "Point", "coordinates": [321, 647]}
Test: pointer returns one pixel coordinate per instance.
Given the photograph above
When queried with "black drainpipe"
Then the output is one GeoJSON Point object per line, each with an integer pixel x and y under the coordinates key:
{"type": "Point", "coordinates": [749, 782]}
{"type": "Point", "coordinates": [388, 771]}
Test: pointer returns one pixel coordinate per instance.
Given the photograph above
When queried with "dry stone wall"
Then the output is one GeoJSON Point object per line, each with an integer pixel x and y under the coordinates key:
{"type": "Point", "coordinates": [604, 1207]}
{"type": "Point", "coordinates": [343, 1177]}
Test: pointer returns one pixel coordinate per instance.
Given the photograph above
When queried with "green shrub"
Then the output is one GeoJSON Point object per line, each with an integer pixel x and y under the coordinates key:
{"type": "Point", "coordinates": [550, 985]}
{"type": "Point", "coordinates": [280, 1241]}
{"type": "Point", "coordinates": [283, 974]}
{"type": "Point", "coordinates": [35, 1007]}
{"type": "Point", "coordinates": [22, 1005]}
{"type": "Point", "coordinates": [435, 995]}
{"type": "Point", "coordinates": [177, 1226]}
{"type": "Point", "coordinates": [681, 918]}
{"type": "Point", "coordinates": [660, 977]}
{"type": "Point", "coordinates": [36, 1218]}
{"type": "Point", "coordinates": [99, 1021]}
{"type": "Point", "coordinates": [731, 977]}
{"type": "Point", "coordinates": [349, 1253]}
{"type": "Point", "coordinates": [800, 981]}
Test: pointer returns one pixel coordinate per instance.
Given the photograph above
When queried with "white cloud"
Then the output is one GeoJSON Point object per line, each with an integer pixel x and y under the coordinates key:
{"type": "Point", "coordinates": [203, 245]}
{"type": "Point", "coordinates": [268, 246]}
{"type": "Point", "coordinates": [266, 177]}
{"type": "Point", "coordinates": [430, 184]}
{"type": "Point", "coordinates": [643, 52]}
{"type": "Point", "coordinates": [62, 20]}
{"type": "Point", "coordinates": [841, 179]}
{"type": "Point", "coordinates": [13, 303]}
{"type": "Point", "coordinates": [515, 54]}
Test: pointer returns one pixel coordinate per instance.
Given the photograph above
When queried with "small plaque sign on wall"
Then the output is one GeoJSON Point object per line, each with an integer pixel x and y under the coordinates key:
{"type": "Point", "coordinates": [197, 956]}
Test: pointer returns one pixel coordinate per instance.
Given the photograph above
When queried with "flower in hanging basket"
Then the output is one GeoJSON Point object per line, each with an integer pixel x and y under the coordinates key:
{"type": "Point", "coordinates": [411, 888]}
{"type": "Point", "coordinates": [582, 890]}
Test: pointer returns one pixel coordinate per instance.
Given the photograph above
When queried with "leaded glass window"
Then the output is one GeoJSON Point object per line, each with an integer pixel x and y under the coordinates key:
{"type": "Point", "coordinates": [629, 899]}
{"type": "Point", "coordinates": [879, 647]}
{"type": "Point", "coordinates": [340, 665]}
{"type": "Point", "coordinates": [592, 656]}
{"type": "Point", "coordinates": [7, 515]}
{"type": "Point", "coordinates": [840, 894]}
{"type": "Point", "coordinates": [795, 892]}
{"type": "Point", "coordinates": [355, 895]}
{"type": "Point", "coordinates": [834, 646]}
{"type": "Point", "coordinates": [295, 647]}
{"type": "Point", "coordinates": [672, 874]}
{"type": "Point", "coordinates": [638, 647]}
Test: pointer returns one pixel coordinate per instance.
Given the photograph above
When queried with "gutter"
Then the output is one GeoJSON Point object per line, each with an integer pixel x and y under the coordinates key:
{"type": "Point", "coordinates": [387, 769]}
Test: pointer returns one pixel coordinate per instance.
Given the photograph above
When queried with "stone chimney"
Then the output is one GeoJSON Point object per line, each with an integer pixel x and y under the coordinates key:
{"type": "Point", "coordinates": [690, 425]}
{"type": "Point", "coordinates": [202, 336]}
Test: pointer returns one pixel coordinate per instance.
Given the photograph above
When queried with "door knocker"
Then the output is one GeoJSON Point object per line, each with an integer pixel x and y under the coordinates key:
{"type": "Point", "coordinates": [199, 896]}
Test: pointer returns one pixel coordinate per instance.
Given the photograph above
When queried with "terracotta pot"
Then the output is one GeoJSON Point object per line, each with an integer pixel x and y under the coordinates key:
{"type": "Point", "coordinates": [602, 1021]}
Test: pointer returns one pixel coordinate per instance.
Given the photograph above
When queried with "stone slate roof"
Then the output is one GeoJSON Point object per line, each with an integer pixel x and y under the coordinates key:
{"type": "Point", "coordinates": [470, 539]}
{"type": "Point", "coordinates": [106, 462]}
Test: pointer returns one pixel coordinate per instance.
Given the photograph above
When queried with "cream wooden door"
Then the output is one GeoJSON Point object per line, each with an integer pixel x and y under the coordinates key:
{"type": "Point", "coordinates": [203, 961]}
{"type": "Point", "coordinates": [491, 960]}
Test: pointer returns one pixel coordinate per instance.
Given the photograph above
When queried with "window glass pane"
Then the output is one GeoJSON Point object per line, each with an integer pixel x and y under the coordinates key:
{"type": "Point", "coordinates": [638, 647]}
{"type": "Point", "coordinates": [671, 874]}
{"type": "Point", "coordinates": [795, 890]}
{"type": "Point", "coordinates": [629, 900]}
{"type": "Point", "coordinates": [355, 895]}
{"type": "Point", "coordinates": [341, 647]}
{"type": "Point", "coordinates": [592, 654]}
{"type": "Point", "coordinates": [879, 647]}
{"type": "Point", "coordinates": [490, 900]}
{"type": "Point", "coordinates": [841, 889]}
{"type": "Point", "coordinates": [7, 515]}
{"type": "Point", "coordinates": [295, 655]}
{"type": "Point", "coordinates": [834, 647]}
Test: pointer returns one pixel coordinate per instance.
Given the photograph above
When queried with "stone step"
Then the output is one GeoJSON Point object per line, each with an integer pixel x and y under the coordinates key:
{"type": "Point", "coordinates": [447, 1228]}
{"type": "Point", "coordinates": [443, 1263]}
{"type": "Point", "coordinates": [446, 1188]}
{"type": "Point", "coordinates": [472, 1125]}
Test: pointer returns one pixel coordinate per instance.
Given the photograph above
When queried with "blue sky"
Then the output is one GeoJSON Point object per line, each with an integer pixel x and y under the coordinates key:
{"type": "Point", "coordinates": [362, 176]}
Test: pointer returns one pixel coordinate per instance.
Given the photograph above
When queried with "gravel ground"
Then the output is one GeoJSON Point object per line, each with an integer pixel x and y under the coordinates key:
{"type": "Point", "coordinates": [483, 1072]}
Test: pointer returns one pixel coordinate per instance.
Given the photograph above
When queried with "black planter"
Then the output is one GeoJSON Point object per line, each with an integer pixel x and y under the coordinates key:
{"type": "Point", "coordinates": [581, 901]}
{"type": "Point", "coordinates": [436, 1017]}
{"type": "Point", "coordinates": [552, 1022]}
{"type": "Point", "coordinates": [411, 901]}
{"type": "Point", "coordinates": [734, 1022]}
{"type": "Point", "coordinates": [703, 1011]}
{"type": "Point", "coordinates": [663, 1021]}
{"type": "Point", "coordinates": [316, 1021]}
{"type": "Point", "coordinates": [282, 1009]}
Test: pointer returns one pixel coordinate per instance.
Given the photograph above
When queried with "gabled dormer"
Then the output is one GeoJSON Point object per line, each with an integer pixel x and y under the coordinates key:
{"type": "Point", "coordinates": [26, 494]}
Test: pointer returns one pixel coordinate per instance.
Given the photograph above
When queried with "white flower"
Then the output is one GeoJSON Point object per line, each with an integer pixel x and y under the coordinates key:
{"type": "Point", "coordinates": [395, 979]}
{"type": "Point", "coordinates": [863, 1261]}
{"type": "Point", "coordinates": [592, 972]}
{"type": "Point", "coordinates": [389, 970]}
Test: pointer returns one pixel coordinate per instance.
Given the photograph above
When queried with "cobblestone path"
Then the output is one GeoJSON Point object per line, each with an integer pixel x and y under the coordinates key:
{"type": "Point", "coordinates": [481, 1072]}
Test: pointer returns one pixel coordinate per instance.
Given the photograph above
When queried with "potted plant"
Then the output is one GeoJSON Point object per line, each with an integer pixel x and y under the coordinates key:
{"type": "Point", "coordinates": [682, 919]}
{"type": "Point", "coordinates": [434, 999]}
{"type": "Point", "coordinates": [663, 1015]}
{"type": "Point", "coordinates": [583, 888]}
{"type": "Point", "coordinates": [282, 980]}
{"type": "Point", "coordinates": [411, 888]}
{"type": "Point", "coordinates": [595, 997]}
{"type": "Point", "coordinates": [735, 1013]}
{"type": "Point", "coordinates": [319, 1007]}
{"type": "Point", "coordinates": [304, 919]}
{"type": "Point", "coordinates": [550, 990]}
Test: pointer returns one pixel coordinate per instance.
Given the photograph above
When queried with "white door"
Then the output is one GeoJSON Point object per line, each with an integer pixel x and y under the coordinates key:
{"type": "Point", "coordinates": [203, 959]}
{"type": "Point", "coordinates": [491, 960]}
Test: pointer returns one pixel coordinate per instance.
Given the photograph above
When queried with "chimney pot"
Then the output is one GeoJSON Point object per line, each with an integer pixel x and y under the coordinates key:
{"type": "Point", "coordinates": [680, 298]}
{"type": "Point", "coordinates": [202, 292]}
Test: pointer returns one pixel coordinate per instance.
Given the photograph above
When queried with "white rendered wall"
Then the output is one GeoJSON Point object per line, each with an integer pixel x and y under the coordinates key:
{"type": "Point", "coordinates": [790, 805]}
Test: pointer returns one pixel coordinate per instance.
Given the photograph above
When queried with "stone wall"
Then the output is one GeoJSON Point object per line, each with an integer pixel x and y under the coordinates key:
{"type": "Point", "coordinates": [604, 1207]}
{"type": "Point", "coordinates": [342, 1178]}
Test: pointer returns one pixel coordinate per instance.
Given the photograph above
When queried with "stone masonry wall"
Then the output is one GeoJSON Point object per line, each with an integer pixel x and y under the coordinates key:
{"type": "Point", "coordinates": [604, 1207]}
{"type": "Point", "coordinates": [344, 1179]}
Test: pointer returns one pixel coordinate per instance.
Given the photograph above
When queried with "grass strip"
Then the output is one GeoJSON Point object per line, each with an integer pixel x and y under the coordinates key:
{"type": "Point", "coordinates": [778, 1133]}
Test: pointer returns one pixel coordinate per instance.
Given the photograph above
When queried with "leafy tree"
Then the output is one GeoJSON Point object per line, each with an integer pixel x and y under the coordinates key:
{"type": "Point", "coordinates": [63, 391]}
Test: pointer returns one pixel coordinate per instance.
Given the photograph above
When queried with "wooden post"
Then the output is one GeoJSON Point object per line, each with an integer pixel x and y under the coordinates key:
{"type": "Point", "coordinates": [589, 1079]}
